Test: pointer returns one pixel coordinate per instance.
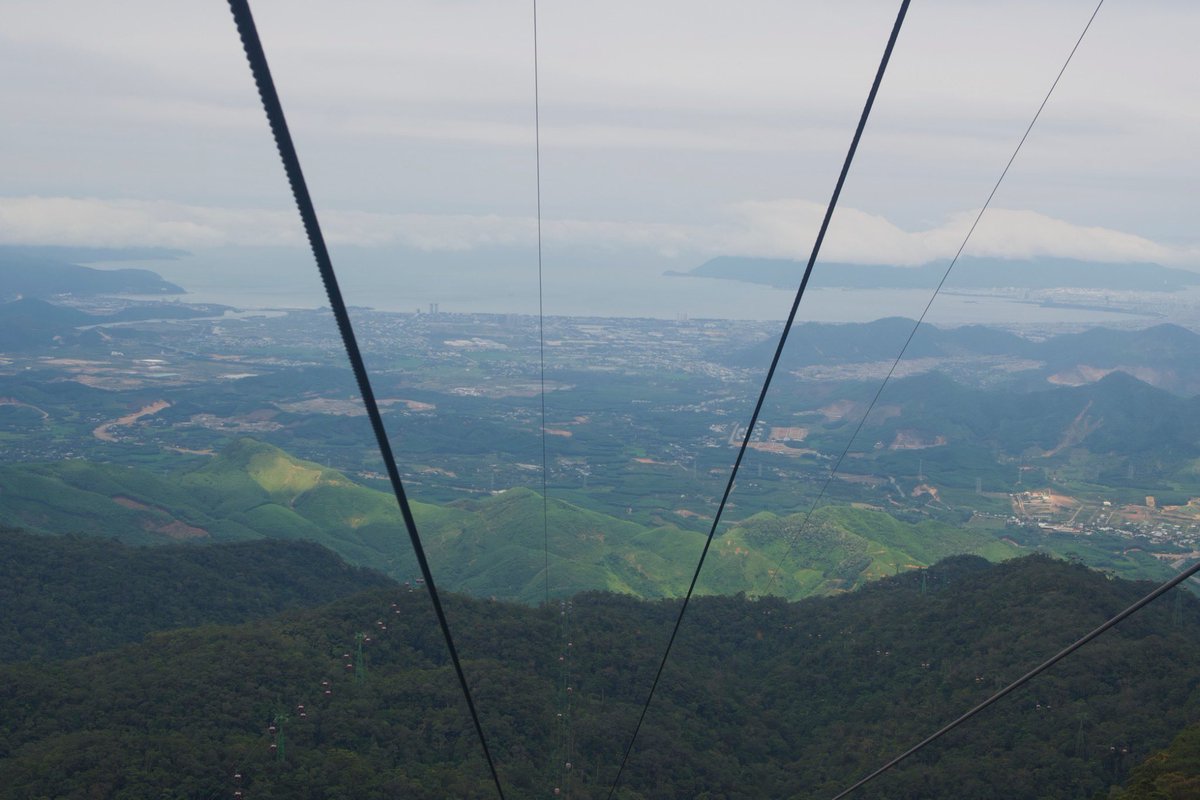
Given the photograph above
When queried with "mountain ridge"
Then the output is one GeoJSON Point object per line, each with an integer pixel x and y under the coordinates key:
{"type": "Point", "coordinates": [41, 273]}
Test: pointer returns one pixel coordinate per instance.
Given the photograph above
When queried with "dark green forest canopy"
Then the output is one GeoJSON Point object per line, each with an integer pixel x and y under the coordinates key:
{"type": "Point", "coordinates": [74, 595]}
{"type": "Point", "coordinates": [761, 699]}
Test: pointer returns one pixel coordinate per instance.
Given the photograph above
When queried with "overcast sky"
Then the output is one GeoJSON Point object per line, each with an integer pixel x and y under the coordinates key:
{"type": "Point", "coordinates": [678, 130]}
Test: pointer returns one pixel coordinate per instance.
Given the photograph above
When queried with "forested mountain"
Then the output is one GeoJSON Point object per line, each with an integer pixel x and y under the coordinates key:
{"type": "Point", "coordinates": [70, 596]}
{"type": "Point", "coordinates": [1115, 432]}
{"type": "Point", "coordinates": [761, 699]}
{"type": "Point", "coordinates": [1117, 414]}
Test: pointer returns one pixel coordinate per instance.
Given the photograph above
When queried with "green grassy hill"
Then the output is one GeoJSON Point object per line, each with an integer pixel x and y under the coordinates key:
{"type": "Point", "coordinates": [492, 547]}
{"type": "Point", "coordinates": [840, 549]}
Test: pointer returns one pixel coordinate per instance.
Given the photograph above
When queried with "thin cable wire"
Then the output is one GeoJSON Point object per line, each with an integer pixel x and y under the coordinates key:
{"type": "Point", "coordinates": [858, 429]}
{"type": "Point", "coordinates": [537, 160]}
{"type": "Point", "coordinates": [312, 228]}
{"type": "Point", "coordinates": [1028, 676]}
{"type": "Point", "coordinates": [812, 259]}
{"type": "Point", "coordinates": [563, 726]}
{"type": "Point", "coordinates": [568, 737]}
{"type": "Point", "coordinates": [561, 716]}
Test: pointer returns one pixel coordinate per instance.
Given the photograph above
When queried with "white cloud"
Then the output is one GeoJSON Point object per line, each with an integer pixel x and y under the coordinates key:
{"type": "Point", "coordinates": [786, 228]}
{"type": "Point", "coordinates": [778, 228]}
{"type": "Point", "coordinates": [427, 104]}
{"type": "Point", "coordinates": [90, 221]}
{"type": "Point", "coordinates": [1008, 233]}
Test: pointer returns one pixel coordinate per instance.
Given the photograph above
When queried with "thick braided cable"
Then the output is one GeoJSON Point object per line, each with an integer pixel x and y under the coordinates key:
{"type": "Point", "coordinates": [312, 228]}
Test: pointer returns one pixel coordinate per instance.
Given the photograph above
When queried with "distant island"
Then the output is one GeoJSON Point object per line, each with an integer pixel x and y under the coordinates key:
{"type": "Point", "coordinates": [45, 272]}
{"type": "Point", "coordinates": [969, 273]}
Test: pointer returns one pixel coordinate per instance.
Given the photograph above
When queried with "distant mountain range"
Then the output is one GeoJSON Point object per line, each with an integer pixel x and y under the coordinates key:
{"type": "Point", "coordinates": [1118, 432]}
{"type": "Point", "coordinates": [1163, 355]}
{"type": "Point", "coordinates": [969, 273]}
{"type": "Point", "coordinates": [45, 272]}
{"type": "Point", "coordinates": [1117, 415]}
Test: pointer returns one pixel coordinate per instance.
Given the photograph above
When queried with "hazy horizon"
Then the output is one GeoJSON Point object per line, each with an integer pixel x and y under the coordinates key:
{"type": "Point", "coordinates": [395, 280]}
